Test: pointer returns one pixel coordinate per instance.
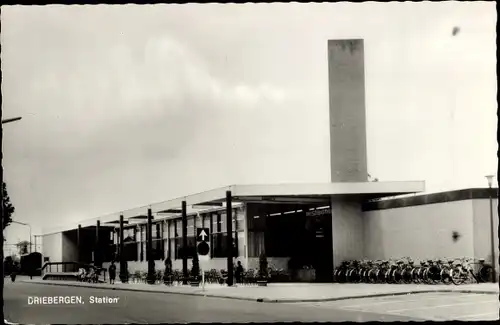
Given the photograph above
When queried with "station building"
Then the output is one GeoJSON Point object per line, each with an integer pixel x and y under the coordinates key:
{"type": "Point", "coordinates": [319, 225]}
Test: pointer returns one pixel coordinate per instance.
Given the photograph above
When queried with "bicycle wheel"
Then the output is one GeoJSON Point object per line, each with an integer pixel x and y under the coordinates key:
{"type": "Point", "coordinates": [413, 275]}
{"type": "Point", "coordinates": [397, 276]}
{"type": "Point", "coordinates": [407, 276]}
{"type": "Point", "coordinates": [435, 274]}
{"type": "Point", "coordinates": [426, 276]}
{"type": "Point", "coordinates": [457, 276]}
{"type": "Point", "coordinates": [486, 273]}
{"type": "Point", "coordinates": [372, 276]}
{"type": "Point", "coordinates": [349, 277]}
{"type": "Point", "coordinates": [445, 276]}
{"type": "Point", "coordinates": [388, 276]}
{"type": "Point", "coordinates": [379, 275]}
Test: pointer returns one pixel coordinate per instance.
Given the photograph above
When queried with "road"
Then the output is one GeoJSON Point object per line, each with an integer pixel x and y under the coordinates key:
{"type": "Point", "coordinates": [139, 307]}
{"type": "Point", "coordinates": [428, 306]}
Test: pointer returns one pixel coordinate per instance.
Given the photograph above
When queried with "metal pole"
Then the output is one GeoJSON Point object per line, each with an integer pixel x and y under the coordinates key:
{"type": "Point", "coordinates": [78, 243]}
{"type": "Point", "coordinates": [97, 258]}
{"type": "Point", "coordinates": [149, 249]}
{"type": "Point", "coordinates": [229, 229]}
{"type": "Point", "coordinates": [1, 232]}
{"type": "Point", "coordinates": [202, 277]}
{"type": "Point", "coordinates": [123, 271]}
{"type": "Point", "coordinates": [493, 250]}
{"type": "Point", "coordinates": [184, 243]}
{"type": "Point", "coordinates": [31, 249]}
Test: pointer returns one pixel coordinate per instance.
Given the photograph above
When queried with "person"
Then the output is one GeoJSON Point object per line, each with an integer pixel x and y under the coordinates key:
{"type": "Point", "coordinates": [112, 272]}
{"type": "Point", "coordinates": [13, 275]}
{"type": "Point", "coordinates": [81, 274]}
{"type": "Point", "coordinates": [91, 274]}
{"type": "Point", "coordinates": [239, 272]}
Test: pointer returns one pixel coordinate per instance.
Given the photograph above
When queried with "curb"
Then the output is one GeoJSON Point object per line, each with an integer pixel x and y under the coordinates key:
{"type": "Point", "coordinates": [199, 294]}
{"type": "Point", "coordinates": [266, 300]}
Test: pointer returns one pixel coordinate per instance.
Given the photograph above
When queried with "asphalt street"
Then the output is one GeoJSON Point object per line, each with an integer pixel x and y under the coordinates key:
{"type": "Point", "coordinates": [428, 306]}
{"type": "Point", "coordinates": [138, 307]}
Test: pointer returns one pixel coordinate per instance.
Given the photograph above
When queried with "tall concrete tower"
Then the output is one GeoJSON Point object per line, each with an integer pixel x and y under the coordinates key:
{"type": "Point", "coordinates": [346, 71]}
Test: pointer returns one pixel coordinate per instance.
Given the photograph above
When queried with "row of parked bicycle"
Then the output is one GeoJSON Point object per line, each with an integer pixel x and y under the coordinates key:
{"type": "Point", "coordinates": [405, 270]}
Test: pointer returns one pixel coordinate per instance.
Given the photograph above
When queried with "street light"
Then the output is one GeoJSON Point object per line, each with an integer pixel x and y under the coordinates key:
{"type": "Point", "coordinates": [489, 178]}
{"type": "Point", "coordinates": [8, 120]}
{"type": "Point", "coordinates": [24, 224]}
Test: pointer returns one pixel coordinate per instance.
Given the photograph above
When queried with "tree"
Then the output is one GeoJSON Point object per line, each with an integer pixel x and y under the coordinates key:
{"type": "Point", "coordinates": [8, 208]}
{"type": "Point", "coordinates": [22, 246]}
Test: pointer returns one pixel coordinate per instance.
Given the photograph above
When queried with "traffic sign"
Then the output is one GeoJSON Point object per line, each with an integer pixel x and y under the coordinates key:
{"type": "Point", "coordinates": [202, 234]}
{"type": "Point", "coordinates": [203, 248]}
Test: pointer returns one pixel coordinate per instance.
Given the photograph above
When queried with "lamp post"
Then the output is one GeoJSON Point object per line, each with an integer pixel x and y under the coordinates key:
{"type": "Point", "coordinates": [8, 120]}
{"type": "Point", "coordinates": [489, 178]}
{"type": "Point", "coordinates": [24, 224]}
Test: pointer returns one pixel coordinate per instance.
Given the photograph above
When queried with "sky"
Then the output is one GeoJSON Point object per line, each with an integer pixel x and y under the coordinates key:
{"type": "Point", "coordinates": [128, 105]}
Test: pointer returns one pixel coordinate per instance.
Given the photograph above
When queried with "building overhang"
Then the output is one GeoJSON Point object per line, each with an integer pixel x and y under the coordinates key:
{"type": "Point", "coordinates": [306, 194]}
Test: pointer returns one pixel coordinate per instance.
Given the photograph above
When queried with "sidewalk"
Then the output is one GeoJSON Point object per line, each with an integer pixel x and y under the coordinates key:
{"type": "Point", "coordinates": [289, 292]}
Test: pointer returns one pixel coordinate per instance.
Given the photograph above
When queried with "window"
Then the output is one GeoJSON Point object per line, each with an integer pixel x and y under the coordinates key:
{"type": "Point", "coordinates": [215, 225]}
{"type": "Point", "coordinates": [190, 226]}
{"type": "Point", "coordinates": [222, 222]}
{"type": "Point", "coordinates": [199, 221]}
{"type": "Point", "coordinates": [206, 220]}
{"type": "Point", "coordinates": [239, 218]}
{"type": "Point", "coordinates": [255, 244]}
{"type": "Point", "coordinates": [165, 229]}
{"type": "Point", "coordinates": [153, 231]}
{"type": "Point", "coordinates": [241, 244]}
{"type": "Point", "coordinates": [191, 247]}
{"type": "Point", "coordinates": [157, 251]}
{"type": "Point", "coordinates": [130, 251]}
{"type": "Point", "coordinates": [178, 227]}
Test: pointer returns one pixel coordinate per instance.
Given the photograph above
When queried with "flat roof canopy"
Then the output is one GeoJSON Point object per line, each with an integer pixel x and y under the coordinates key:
{"type": "Point", "coordinates": [310, 193]}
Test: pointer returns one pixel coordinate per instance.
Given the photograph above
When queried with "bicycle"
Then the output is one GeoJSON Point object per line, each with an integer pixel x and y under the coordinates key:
{"type": "Point", "coordinates": [446, 271]}
{"type": "Point", "coordinates": [484, 274]}
{"type": "Point", "coordinates": [432, 273]}
{"type": "Point", "coordinates": [417, 273]}
{"type": "Point", "coordinates": [407, 275]}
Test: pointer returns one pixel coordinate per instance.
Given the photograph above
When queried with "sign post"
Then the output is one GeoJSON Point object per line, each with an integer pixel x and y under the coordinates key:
{"type": "Point", "coordinates": [203, 250]}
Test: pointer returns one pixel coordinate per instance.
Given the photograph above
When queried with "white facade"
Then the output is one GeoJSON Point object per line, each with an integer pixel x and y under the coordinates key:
{"type": "Point", "coordinates": [425, 231]}
{"type": "Point", "coordinates": [53, 247]}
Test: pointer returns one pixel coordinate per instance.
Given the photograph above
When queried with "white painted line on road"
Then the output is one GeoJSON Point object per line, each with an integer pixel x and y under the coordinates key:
{"type": "Point", "coordinates": [409, 300]}
{"type": "Point", "coordinates": [441, 306]}
{"type": "Point", "coordinates": [495, 314]}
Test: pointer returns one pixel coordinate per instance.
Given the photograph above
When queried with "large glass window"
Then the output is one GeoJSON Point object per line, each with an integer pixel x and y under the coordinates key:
{"type": "Point", "coordinates": [190, 226]}
{"type": "Point", "coordinates": [241, 244]}
{"type": "Point", "coordinates": [199, 221]}
{"type": "Point", "coordinates": [130, 251]}
{"type": "Point", "coordinates": [222, 222]}
{"type": "Point", "coordinates": [165, 229]}
{"type": "Point", "coordinates": [239, 220]}
{"type": "Point", "coordinates": [256, 244]}
{"type": "Point", "coordinates": [206, 220]}
{"type": "Point", "coordinates": [178, 227]}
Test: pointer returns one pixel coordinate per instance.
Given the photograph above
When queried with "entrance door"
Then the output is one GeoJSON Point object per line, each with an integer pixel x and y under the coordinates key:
{"type": "Point", "coordinates": [322, 248]}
